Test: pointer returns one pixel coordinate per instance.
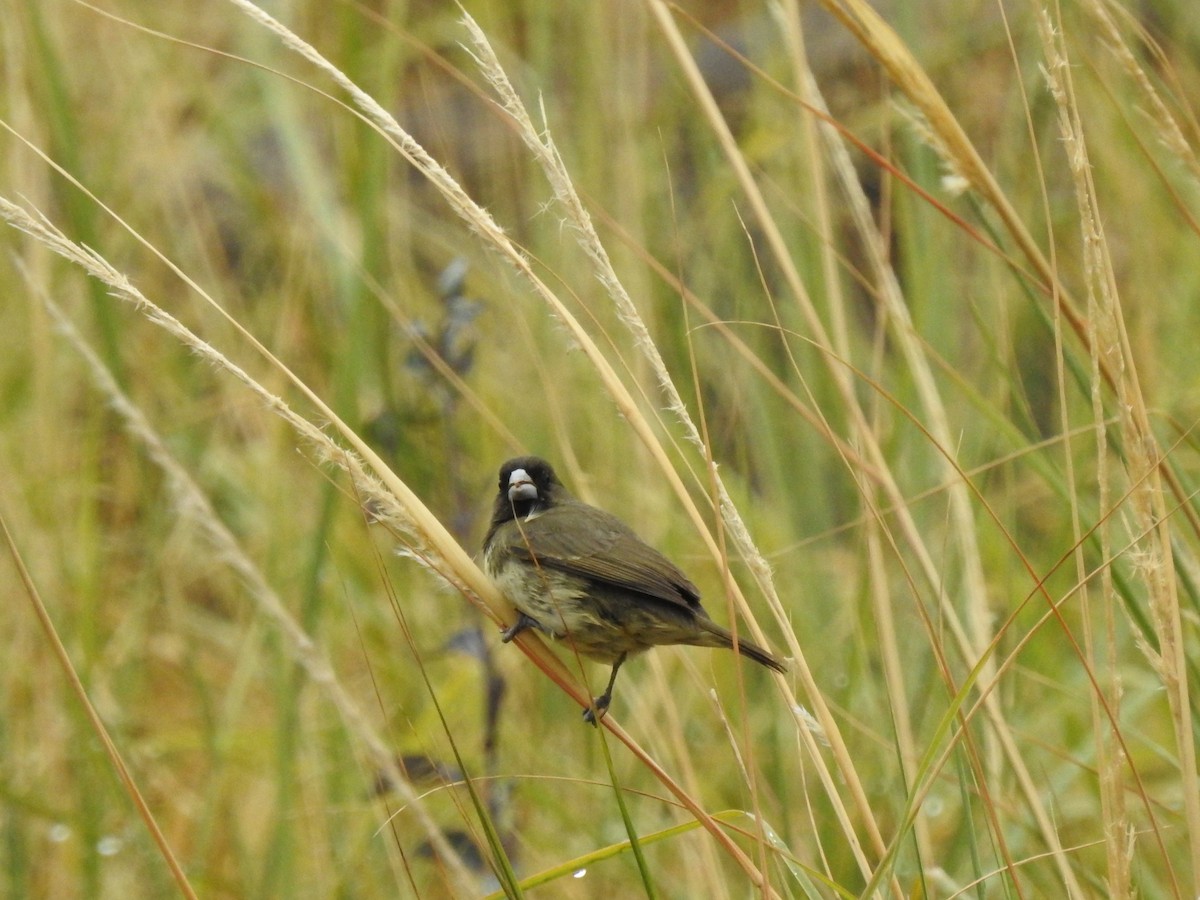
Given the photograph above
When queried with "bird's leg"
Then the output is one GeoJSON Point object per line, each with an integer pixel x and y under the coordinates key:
{"type": "Point", "coordinates": [594, 713]}
{"type": "Point", "coordinates": [523, 623]}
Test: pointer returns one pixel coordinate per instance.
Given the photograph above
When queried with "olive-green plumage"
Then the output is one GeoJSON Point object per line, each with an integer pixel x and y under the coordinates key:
{"type": "Point", "coordinates": [580, 574]}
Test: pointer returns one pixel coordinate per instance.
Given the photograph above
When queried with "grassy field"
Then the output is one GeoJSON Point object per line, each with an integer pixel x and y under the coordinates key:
{"type": "Point", "coordinates": [880, 326]}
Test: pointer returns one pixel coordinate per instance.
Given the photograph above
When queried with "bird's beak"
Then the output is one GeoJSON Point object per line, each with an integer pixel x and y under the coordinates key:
{"type": "Point", "coordinates": [521, 487]}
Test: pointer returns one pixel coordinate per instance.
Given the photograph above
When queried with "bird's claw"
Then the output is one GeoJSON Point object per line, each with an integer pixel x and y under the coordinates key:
{"type": "Point", "coordinates": [594, 713]}
{"type": "Point", "coordinates": [523, 623]}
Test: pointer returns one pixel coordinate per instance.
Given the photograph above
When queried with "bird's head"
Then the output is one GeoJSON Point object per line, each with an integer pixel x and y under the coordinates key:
{"type": "Point", "coordinates": [527, 486]}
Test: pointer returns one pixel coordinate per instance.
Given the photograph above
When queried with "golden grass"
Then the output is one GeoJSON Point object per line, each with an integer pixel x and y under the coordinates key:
{"type": "Point", "coordinates": [932, 440]}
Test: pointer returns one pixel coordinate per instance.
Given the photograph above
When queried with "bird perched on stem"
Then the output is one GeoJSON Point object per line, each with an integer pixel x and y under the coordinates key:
{"type": "Point", "coordinates": [580, 574]}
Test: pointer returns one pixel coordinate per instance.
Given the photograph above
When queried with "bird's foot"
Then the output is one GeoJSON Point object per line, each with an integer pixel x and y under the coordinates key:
{"type": "Point", "coordinates": [523, 623]}
{"type": "Point", "coordinates": [594, 713]}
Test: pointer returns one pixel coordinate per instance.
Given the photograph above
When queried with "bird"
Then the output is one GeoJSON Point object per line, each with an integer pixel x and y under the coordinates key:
{"type": "Point", "coordinates": [579, 574]}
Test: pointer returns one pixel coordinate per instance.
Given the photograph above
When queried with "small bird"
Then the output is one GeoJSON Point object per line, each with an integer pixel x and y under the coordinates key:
{"type": "Point", "coordinates": [580, 574]}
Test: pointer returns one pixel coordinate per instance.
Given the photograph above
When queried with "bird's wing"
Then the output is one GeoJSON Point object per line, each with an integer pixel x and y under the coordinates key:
{"type": "Point", "coordinates": [587, 542]}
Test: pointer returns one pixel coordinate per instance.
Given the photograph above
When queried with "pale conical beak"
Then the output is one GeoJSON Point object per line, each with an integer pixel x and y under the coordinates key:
{"type": "Point", "coordinates": [521, 487]}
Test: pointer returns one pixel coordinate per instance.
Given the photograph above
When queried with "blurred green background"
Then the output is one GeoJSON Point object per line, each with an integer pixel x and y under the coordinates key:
{"type": "Point", "coordinates": [191, 130]}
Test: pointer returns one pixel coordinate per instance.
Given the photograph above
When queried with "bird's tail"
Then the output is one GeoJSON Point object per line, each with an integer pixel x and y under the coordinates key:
{"type": "Point", "coordinates": [719, 637]}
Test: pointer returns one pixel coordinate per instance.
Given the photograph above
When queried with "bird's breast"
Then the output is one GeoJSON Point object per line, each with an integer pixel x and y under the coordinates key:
{"type": "Point", "coordinates": [562, 605]}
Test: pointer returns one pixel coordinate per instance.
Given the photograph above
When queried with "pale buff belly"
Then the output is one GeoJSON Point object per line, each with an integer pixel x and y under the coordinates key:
{"type": "Point", "coordinates": [600, 621]}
